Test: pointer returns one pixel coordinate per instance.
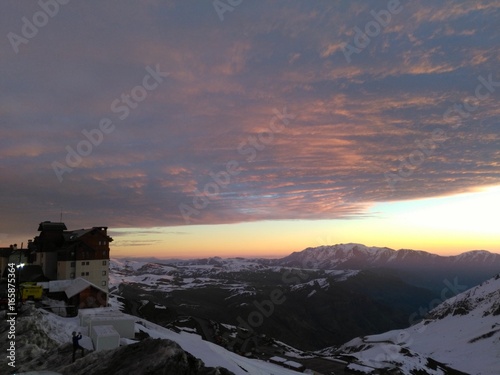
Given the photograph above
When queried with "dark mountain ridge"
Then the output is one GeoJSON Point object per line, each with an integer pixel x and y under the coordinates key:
{"type": "Point", "coordinates": [322, 289]}
{"type": "Point", "coordinates": [416, 267]}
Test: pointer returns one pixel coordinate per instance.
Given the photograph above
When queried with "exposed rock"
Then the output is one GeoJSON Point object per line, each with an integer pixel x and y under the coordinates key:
{"type": "Point", "coordinates": [35, 351]}
{"type": "Point", "coordinates": [151, 356]}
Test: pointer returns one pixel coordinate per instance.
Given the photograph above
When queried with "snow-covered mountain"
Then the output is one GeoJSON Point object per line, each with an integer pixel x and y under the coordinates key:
{"type": "Point", "coordinates": [391, 285]}
{"type": "Point", "coordinates": [191, 303]}
{"type": "Point", "coordinates": [341, 256]}
{"type": "Point", "coordinates": [416, 267]}
{"type": "Point", "coordinates": [358, 256]}
{"type": "Point", "coordinates": [462, 333]}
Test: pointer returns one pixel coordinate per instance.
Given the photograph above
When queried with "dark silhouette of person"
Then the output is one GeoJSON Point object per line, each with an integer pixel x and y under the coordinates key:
{"type": "Point", "coordinates": [76, 344]}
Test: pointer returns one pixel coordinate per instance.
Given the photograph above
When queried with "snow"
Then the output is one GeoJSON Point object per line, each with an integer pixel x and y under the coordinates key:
{"type": "Point", "coordinates": [469, 342]}
{"type": "Point", "coordinates": [214, 355]}
{"type": "Point", "coordinates": [60, 328]}
{"type": "Point", "coordinates": [277, 359]}
{"type": "Point", "coordinates": [77, 285]}
{"type": "Point", "coordinates": [456, 339]}
{"type": "Point", "coordinates": [322, 283]}
{"type": "Point", "coordinates": [294, 364]}
{"type": "Point", "coordinates": [312, 293]}
{"type": "Point", "coordinates": [356, 367]}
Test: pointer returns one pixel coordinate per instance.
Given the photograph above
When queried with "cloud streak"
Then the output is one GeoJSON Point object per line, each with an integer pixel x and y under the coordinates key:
{"type": "Point", "coordinates": [354, 121]}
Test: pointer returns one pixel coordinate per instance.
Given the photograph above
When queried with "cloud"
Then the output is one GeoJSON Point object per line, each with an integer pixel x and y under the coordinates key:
{"type": "Point", "coordinates": [354, 122]}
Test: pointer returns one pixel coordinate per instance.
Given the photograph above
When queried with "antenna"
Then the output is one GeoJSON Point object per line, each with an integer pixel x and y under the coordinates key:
{"type": "Point", "coordinates": [60, 217]}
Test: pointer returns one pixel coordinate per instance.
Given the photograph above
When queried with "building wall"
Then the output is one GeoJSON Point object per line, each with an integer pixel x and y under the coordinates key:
{"type": "Point", "coordinates": [3, 265]}
{"type": "Point", "coordinates": [65, 270]}
{"type": "Point", "coordinates": [48, 262]}
{"type": "Point", "coordinates": [95, 271]}
{"type": "Point", "coordinates": [90, 298]}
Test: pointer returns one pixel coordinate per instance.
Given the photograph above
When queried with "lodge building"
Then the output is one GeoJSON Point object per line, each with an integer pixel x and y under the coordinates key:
{"type": "Point", "coordinates": [65, 254]}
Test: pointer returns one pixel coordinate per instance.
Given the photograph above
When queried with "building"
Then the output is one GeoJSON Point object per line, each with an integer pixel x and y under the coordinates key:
{"type": "Point", "coordinates": [5, 253]}
{"type": "Point", "coordinates": [104, 338]}
{"type": "Point", "coordinates": [65, 254]}
{"type": "Point", "coordinates": [14, 255]}
{"type": "Point", "coordinates": [82, 294]}
{"type": "Point", "coordinates": [292, 365]}
{"type": "Point", "coordinates": [123, 324]}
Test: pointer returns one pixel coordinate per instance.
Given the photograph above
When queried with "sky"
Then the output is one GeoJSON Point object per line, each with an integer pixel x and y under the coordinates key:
{"type": "Point", "coordinates": [252, 128]}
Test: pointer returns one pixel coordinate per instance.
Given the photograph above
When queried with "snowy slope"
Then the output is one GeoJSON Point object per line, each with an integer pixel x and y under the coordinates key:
{"type": "Point", "coordinates": [60, 328]}
{"type": "Point", "coordinates": [463, 332]}
{"type": "Point", "coordinates": [192, 274]}
{"type": "Point", "coordinates": [213, 355]}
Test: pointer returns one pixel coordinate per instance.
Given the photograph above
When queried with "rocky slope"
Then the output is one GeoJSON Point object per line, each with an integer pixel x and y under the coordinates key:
{"type": "Point", "coordinates": [36, 350]}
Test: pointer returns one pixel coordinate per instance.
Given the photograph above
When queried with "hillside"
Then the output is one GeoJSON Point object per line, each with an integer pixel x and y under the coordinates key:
{"type": "Point", "coordinates": [391, 285]}
{"type": "Point", "coordinates": [462, 333]}
{"type": "Point", "coordinates": [319, 307]}
{"type": "Point", "coordinates": [416, 267]}
{"type": "Point", "coordinates": [44, 343]}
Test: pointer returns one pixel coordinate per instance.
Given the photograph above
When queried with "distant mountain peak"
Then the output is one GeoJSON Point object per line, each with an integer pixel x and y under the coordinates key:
{"type": "Point", "coordinates": [359, 256]}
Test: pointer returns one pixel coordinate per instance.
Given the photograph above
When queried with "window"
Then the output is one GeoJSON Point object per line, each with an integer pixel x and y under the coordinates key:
{"type": "Point", "coordinates": [73, 264]}
{"type": "Point", "coordinates": [83, 273]}
{"type": "Point", "coordinates": [87, 263]}
{"type": "Point", "coordinates": [104, 263]}
{"type": "Point", "coordinates": [83, 263]}
{"type": "Point", "coordinates": [86, 273]}
{"type": "Point", "coordinates": [104, 273]}
{"type": "Point", "coordinates": [103, 283]}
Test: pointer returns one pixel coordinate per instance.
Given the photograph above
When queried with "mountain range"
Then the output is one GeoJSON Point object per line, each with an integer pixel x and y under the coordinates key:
{"type": "Point", "coordinates": [394, 287]}
{"type": "Point", "coordinates": [357, 256]}
{"type": "Point", "coordinates": [345, 308]}
{"type": "Point", "coordinates": [416, 267]}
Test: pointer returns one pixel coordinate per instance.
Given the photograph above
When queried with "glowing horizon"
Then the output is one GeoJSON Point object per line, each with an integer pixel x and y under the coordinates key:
{"type": "Point", "coordinates": [423, 224]}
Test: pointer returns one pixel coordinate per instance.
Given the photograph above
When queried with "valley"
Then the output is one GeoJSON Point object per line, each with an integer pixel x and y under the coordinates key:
{"type": "Point", "coordinates": [264, 308]}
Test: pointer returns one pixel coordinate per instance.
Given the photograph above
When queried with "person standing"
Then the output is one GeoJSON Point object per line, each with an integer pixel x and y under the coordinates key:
{"type": "Point", "coordinates": [76, 344]}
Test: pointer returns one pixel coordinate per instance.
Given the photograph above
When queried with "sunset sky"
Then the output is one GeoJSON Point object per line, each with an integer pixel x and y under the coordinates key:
{"type": "Point", "coordinates": [200, 128]}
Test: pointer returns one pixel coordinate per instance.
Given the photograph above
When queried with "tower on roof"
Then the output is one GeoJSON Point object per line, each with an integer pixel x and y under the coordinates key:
{"type": "Point", "coordinates": [51, 226]}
